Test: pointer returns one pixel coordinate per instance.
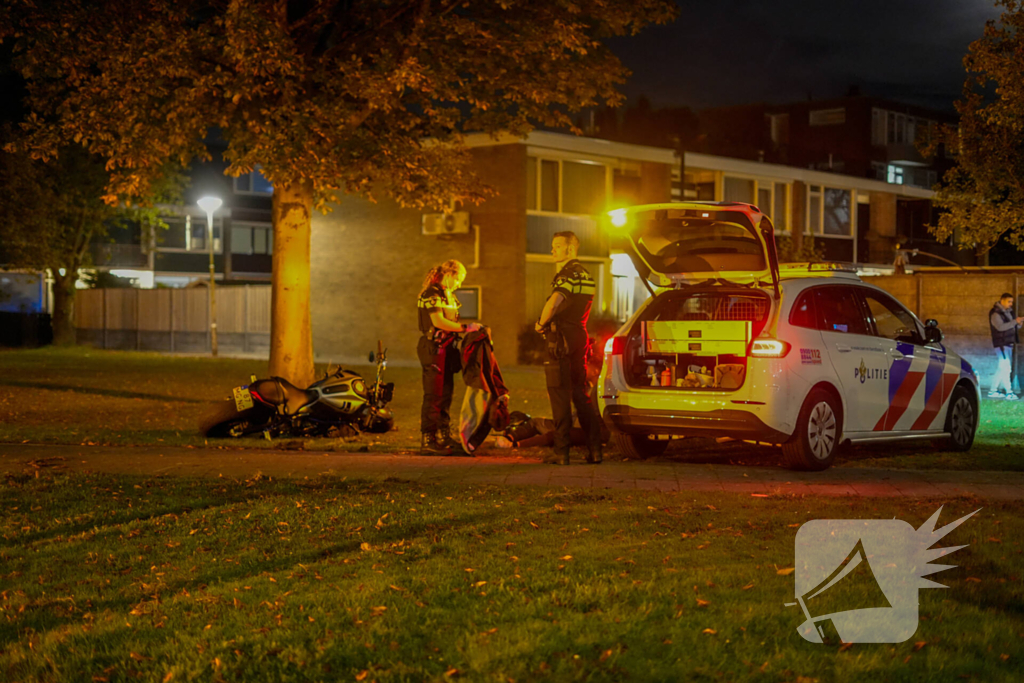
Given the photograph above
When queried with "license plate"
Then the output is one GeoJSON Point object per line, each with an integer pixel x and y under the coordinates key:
{"type": "Point", "coordinates": [243, 399]}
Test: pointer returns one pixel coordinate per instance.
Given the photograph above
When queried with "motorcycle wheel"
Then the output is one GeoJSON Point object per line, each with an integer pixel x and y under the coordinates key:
{"type": "Point", "coordinates": [227, 422]}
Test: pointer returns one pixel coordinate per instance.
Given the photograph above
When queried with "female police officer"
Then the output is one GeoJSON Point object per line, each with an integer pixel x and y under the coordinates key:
{"type": "Point", "coordinates": [438, 351]}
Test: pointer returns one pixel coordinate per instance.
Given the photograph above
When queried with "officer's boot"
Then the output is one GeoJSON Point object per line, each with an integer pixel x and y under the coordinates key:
{"type": "Point", "coordinates": [444, 437]}
{"type": "Point", "coordinates": [556, 458]}
{"type": "Point", "coordinates": [429, 445]}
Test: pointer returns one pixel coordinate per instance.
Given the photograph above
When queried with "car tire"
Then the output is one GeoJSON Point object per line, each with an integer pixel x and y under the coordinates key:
{"type": "Point", "coordinates": [638, 446]}
{"type": "Point", "coordinates": [961, 420]}
{"type": "Point", "coordinates": [815, 442]}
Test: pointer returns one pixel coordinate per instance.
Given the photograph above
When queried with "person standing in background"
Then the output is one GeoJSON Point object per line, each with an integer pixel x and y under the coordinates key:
{"type": "Point", "coordinates": [1003, 326]}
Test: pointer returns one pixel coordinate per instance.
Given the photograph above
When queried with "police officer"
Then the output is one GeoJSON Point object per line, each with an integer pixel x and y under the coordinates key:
{"type": "Point", "coordinates": [438, 351]}
{"type": "Point", "coordinates": [563, 322]}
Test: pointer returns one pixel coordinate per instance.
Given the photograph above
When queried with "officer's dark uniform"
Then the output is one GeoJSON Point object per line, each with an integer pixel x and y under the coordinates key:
{"type": "Point", "coordinates": [566, 370]}
{"type": "Point", "coordinates": [438, 351]}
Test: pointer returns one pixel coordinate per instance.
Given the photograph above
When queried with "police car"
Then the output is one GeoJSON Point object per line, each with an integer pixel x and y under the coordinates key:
{"type": "Point", "coordinates": [733, 344]}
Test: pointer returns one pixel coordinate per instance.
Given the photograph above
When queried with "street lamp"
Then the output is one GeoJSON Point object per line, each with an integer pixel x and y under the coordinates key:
{"type": "Point", "coordinates": [209, 205]}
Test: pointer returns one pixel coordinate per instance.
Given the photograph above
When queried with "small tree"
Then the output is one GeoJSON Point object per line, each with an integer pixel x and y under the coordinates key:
{"type": "Point", "coordinates": [50, 213]}
{"type": "Point", "coordinates": [982, 197]}
{"type": "Point", "coordinates": [368, 97]}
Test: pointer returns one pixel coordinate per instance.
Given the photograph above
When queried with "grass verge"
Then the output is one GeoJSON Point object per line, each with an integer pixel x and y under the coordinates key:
{"type": "Point", "coordinates": [118, 578]}
{"type": "Point", "coordinates": [83, 396]}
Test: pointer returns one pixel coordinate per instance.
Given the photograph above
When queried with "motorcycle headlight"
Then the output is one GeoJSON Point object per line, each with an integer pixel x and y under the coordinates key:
{"type": "Point", "coordinates": [359, 387]}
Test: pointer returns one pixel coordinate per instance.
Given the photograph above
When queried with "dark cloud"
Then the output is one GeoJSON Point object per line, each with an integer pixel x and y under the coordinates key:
{"type": "Point", "coordinates": [739, 51]}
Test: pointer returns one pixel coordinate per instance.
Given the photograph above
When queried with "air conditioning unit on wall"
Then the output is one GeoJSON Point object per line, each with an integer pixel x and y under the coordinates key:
{"type": "Point", "coordinates": [456, 223]}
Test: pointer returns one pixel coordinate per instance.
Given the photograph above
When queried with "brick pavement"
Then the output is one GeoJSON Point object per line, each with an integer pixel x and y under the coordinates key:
{"type": "Point", "coordinates": [508, 469]}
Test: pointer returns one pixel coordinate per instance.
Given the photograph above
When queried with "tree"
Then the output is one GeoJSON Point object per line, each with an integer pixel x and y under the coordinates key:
{"type": "Point", "coordinates": [982, 196]}
{"type": "Point", "coordinates": [50, 213]}
{"type": "Point", "coordinates": [368, 97]}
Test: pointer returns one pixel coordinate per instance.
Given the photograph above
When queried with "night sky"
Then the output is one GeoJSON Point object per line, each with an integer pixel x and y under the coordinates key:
{"type": "Point", "coordinates": [724, 52]}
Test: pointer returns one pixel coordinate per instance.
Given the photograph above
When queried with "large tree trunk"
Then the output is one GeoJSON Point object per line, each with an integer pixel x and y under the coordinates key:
{"type": "Point", "coordinates": [291, 336]}
{"type": "Point", "coordinates": [63, 320]}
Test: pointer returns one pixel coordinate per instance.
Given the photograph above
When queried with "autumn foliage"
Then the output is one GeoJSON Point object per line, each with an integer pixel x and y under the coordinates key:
{"type": "Point", "coordinates": [367, 97]}
{"type": "Point", "coordinates": [983, 195]}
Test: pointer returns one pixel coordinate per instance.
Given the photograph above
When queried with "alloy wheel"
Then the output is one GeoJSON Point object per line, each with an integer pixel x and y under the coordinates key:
{"type": "Point", "coordinates": [962, 423]}
{"type": "Point", "coordinates": [821, 430]}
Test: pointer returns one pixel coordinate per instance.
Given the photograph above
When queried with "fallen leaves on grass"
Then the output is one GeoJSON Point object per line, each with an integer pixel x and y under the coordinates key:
{"type": "Point", "coordinates": [845, 646]}
{"type": "Point", "coordinates": [702, 603]}
{"type": "Point", "coordinates": [710, 632]}
{"type": "Point", "coordinates": [786, 571]}
{"type": "Point", "coordinates": [919, 644]}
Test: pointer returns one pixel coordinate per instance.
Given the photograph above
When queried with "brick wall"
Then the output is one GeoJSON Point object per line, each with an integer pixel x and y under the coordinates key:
{"type": "Point", "coordinates": [960, 303]}
{"type": "Point", "coordinates": [368, 262]}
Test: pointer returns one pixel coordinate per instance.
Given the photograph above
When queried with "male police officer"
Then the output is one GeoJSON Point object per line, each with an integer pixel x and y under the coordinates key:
{"type": "Point", "coordinates": [563, 322]}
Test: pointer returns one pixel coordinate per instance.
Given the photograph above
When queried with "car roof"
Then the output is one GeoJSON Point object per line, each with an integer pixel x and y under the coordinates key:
{"type": "Point", "coordinates": [815, 270]}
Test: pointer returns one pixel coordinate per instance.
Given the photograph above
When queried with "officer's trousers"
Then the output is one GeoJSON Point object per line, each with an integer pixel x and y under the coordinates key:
{"type": "Point", "coordinates": [440, 365]}
{"type": "Point", "coordinates": [567, 387]}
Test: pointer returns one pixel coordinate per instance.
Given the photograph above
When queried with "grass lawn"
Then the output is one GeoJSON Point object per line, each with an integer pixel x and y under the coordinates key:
{"type": "Point", "coordinates": [118, 397]}
{"type": "Point", "coordinates": [119, 578]}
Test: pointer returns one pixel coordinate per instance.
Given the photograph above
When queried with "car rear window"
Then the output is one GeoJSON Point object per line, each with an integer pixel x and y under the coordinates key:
{"type": "Point", "coordinates": [681, 305]}
{"type": "Point", "coordinates": [677, 242]}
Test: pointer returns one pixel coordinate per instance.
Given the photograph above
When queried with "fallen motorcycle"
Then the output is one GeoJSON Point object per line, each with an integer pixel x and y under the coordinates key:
{"type": "Point", "coordinates": [332, 406]}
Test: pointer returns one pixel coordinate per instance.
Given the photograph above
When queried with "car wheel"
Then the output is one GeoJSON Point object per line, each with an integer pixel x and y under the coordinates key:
{"type": "Point", "coordinates": [639, 446]}
{"type": "Point", "coordinates": [814, 444]}
{"type": "Point", "coordinates": [961, 420]}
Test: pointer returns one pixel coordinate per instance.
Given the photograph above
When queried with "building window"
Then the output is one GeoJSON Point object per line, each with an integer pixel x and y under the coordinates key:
{"type": "Point", "coordinates": [253, 183]}
{"type": "Point", "coordinates": [829, 211]}
{"type": "Point", "coordinates": [894, 174]}
{"type": "Point", "coordinates": [836, 220]}
{"type": "Point", "coordinates": [583, 187]}
{"type": "Point", "coordinates": [469, 302]}
{"type": "Point", "coordinates": [764, 198]}
{"type": "Point", "coordinates": [778, 129]}
{"type": "Point", "coordinates": [814, 209]}
{"type": "Point", "coordinates": [738, 190]}
{"type": "Point", "coordinates": [780, 209]}
{"type": "Point", "coordinates": [251, 239]}
{"type": "Point", "coordinates": [188, 234]}
{"type": "Point", "coordinates": [828, 117]}
{"type": "Point", "coordinates": [891, 128]}
{"type": "Point", "coordinates": [878, 120]}
{"type": "Point", "coordinates": [569, 187]}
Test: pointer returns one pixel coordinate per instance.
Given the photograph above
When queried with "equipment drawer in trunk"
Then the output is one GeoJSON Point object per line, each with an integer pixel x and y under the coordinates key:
{"type": "Point", "coordinates": [701, 337]}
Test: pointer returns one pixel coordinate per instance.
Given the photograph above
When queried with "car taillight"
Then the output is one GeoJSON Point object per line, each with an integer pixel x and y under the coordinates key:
{"type": "Point", "coordinates": [615, 346]}
{"type": "Point", "coordinates": [769, 348]}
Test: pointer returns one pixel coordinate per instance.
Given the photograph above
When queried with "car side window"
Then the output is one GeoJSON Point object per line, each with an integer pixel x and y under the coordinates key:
{"type": "Point", "coordinates": [840, 310]}
{"type": "Point", "coordinates": [891, 320]}
{"type": "Point", "coordinates": [803, 313]}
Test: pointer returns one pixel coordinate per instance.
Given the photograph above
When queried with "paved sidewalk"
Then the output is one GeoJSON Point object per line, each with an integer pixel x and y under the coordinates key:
{"type": "Point", "coordinates": [509, 470]}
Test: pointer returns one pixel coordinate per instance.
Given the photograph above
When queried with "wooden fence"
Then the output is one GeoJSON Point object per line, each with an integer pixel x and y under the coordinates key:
{"type": "Point", "coordinates": [176, 320]}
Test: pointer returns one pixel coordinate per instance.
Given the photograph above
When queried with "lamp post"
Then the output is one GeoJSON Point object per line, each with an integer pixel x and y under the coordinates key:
{"type": "Point", "coordinates": [209, 205]}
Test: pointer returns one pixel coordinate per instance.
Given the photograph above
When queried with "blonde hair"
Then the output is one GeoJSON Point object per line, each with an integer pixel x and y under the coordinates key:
{"type": "Point", "coordinates": [437, 273]}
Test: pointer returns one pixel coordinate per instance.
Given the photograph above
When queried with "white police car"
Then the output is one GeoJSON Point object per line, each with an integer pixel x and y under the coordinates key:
{"type": "Point", "coordinates": [733, 344]}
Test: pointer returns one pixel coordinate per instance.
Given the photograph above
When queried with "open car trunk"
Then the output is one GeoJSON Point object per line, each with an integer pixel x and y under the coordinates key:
{"type": "Point", "coordinates": [695, 340]}
{"type": "Point", "coordinates": [719, 260]}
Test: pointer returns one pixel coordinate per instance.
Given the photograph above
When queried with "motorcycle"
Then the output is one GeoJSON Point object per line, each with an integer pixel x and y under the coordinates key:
{"type": "Point", "coordinates": [331, 406]}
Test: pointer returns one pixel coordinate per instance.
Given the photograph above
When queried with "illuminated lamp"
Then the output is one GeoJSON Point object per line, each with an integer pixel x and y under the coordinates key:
{"type": "Point", "coordinates": [615, 346]}
{"type": "Point", "coordinates": [769, 348]}
{"type": "Point", "coordinates": [619, 217]}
